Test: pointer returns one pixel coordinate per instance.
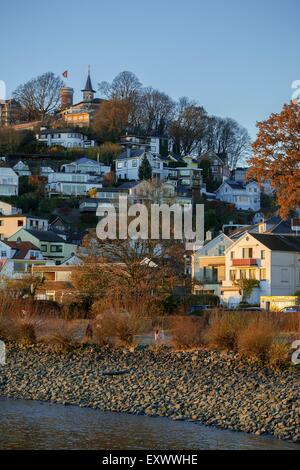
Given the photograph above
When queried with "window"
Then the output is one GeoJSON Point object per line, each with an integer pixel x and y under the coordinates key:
{"type": "Point", "coordinates": [284, 275]}
{"type": "Point", "coordinates": [263, 275]}
{"type": "Point", "coordinates": [134, 163]}
{"type": "Point", "coordinates": [20, 223]}
{"type": "Point", "coordinates": [263, 254]}
{"type": "Point", "coordinates": [247, 253]}
{"type": "Point", "coordinates": [232, 275]}
{"type": "Point", "coordinates": [3, 254]}
{"type": "Point", "coordinates": [119, 165]}
{"type": "Point", "coordinates": [1, 223]}
{"type": "Point", "coordinates": [56, 248]}
{"type": "Point", "coordinates": [232, 254]}
{"type": "Point", "coordinates": [221, 250]}
{"type": "Point", "coordinates": [243, 274]}
{"type": "Point", "coordinates": [44, 247]}
{"type": "Point", "coordinates": [252, 274]}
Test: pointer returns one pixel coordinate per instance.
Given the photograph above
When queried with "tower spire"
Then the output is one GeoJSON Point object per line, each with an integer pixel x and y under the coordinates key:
{"type": "Point", "coordinates": [88, 91]}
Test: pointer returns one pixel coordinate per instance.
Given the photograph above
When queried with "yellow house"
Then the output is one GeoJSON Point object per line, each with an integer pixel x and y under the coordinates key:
{"type": "Point", "coordinates": [277, 303]}
{"type": "Point", "coordinates": [208, 265]}
{"type": "Point", "coordinates": [10, 224]}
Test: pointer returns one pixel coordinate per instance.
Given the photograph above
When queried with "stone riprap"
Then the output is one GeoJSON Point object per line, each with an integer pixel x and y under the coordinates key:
{"type": "Point", "coordinates": [206, 386]}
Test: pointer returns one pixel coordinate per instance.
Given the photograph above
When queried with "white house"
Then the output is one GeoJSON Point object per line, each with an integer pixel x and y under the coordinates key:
{"type": "Point", "coordinates": [86, 165]}
{"type": "Point", "coordinates": [71, 184]}
{"type": "Point", "coordinates": [17, 258]}
{"type": "Point", "coordinates": [128, 163]}
{"type": "Point", "coordinates": [22, 169]}
{"type": "Point", "coordinates": [9, 182]}
{"type": "Point", "coordinates": [65, 138]}
{"type": "Point", "coordinates": [245, 196]}
{"type": "Point", "coordinates": [46, 170]}
{"type": "Point", "coordinates": [272, 260]}
{"type": "Point", "coordinates": [154, 144]}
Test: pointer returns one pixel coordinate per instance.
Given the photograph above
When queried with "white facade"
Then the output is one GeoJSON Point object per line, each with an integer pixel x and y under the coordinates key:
{"type": "Point", "coordinates": [64, 138]}
{"type": "Point", "coordinates": [16, 261]}
{"type": "Point", "coordinates": [276, 270]}
{"type": "Point", "coordinates": [127, 165]}
{"type": "Point", "coordinates": [9, 182]}
{"type": "Point", "coordinates": [86, 165]}
{"type": "Point", "coordinates": [46, 170]}
{"type": "Point", "coordinates": [243, 196]}
{"type": "Point", "coordinates": [22, 169]}
{"type": "Point", "coordinates": [71, 184]}
{"type": "Point", "coordinates": [152, 144]}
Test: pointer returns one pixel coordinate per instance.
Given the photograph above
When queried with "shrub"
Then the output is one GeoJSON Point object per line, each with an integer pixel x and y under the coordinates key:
{"type": "Point", "coordinates": [60, 334]}
{"type": "Point", "coordinates": [26, 333]}
{"type": "Point", "coordinates": [255, 340]}
{"type": "Point", "coordinates": [187, 332]}
{"type": "Point", "coordinates": [224, 329]}
{"type": "Point", "coordinates": [114, 326]}
{"type": "Point", "coordinates": [278, 354]}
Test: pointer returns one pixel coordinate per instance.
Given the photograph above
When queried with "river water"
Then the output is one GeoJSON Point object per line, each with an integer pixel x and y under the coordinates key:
{"type": "Point", "coordinates": [40, 425]}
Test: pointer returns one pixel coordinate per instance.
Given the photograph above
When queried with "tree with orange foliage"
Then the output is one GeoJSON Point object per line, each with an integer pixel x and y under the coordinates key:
{"type": "Point", "coordinates": [112, 119]}
{"type": "Point", "coordinates": [276, 156]}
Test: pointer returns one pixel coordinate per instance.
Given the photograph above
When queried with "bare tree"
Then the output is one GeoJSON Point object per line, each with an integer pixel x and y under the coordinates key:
{"type": "Point", "coordinates": [125, 86]}
{"type": "Point", "coordinates": [188, 129]}
{"type": "Point", "coordinates": [39, 96]}
{"type": "Point", "coordinates": [227, 138]}
{"type": "Point", "coordinates": [156, 110]}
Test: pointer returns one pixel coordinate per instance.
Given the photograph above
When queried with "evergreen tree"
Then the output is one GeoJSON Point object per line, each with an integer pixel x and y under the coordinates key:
{"type": "Point", "coordinates": [145, 170]}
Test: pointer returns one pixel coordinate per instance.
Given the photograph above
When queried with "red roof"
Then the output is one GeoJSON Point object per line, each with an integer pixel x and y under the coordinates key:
{"type": "Point", "coordinates": [21, 248]}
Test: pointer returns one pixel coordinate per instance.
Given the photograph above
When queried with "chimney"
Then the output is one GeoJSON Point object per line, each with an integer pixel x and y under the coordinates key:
{"type": "Point", "coordinates": [128, 152]}
{"type": "Point", "coordinates": [208, 236]}
{"type": "Point", "coordinates": [262, 227]}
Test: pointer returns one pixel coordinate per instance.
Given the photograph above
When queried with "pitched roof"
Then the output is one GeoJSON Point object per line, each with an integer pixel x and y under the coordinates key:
{"type": "Point", "coordinates": [235, 184]}
{"type": "Point", "coordinates": [86, 160]}
{"type": "Point", "coordinates": [21, 248]}
{"type": "Point", "coordinates": [44, 236]}
{"type": "Point", "coordinates": [278, 242]}
{"type": "Point", "coordinates": [88, 85]}
{"type": "Point", "coordinates": [134, 153]}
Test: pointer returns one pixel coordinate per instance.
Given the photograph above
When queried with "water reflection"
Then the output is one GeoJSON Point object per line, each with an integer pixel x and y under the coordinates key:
{"type": "Point", "coordinates": [37, 425]}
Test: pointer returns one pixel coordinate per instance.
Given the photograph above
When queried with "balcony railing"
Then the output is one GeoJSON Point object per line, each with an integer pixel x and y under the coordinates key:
{"type": "Point", "coordinates": [244, 262]}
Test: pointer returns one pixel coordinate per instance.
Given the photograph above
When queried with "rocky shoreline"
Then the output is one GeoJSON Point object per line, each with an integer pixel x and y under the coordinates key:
{"type": "Point", "coordinates": [206, 386]}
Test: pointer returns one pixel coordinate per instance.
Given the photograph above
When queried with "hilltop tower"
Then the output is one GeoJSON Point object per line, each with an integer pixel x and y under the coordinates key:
{"type": "Point", "coordinates": [88, 92]}
{"type": "Point", "coordinates": [66, 97]}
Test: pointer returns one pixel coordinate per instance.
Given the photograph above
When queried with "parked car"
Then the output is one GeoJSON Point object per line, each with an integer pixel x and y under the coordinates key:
{"type": "Point", "coordinates": [291, 309]}
{"type": "Point", "coordinates": [197, 309]}
{"type": "Point", "coordinates": [252, 309]}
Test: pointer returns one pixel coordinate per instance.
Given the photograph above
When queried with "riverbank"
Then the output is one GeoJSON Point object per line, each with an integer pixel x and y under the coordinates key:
{"type": "Point", "coordinates": [206, 386]}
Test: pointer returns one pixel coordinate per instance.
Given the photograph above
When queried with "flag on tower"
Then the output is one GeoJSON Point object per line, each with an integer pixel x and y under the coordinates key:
{"type": "Point", "coordinates": [65, 74]}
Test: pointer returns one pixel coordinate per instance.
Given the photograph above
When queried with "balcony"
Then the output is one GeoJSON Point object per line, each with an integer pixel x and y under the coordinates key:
{"type": "Point", "coordinates": [244, 262]}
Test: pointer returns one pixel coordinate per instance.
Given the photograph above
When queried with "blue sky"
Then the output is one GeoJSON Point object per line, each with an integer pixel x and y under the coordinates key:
{"type": "Point", "coordinates": [238, 58]}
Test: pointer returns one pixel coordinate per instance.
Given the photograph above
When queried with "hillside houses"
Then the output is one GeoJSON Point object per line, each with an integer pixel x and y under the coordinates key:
{"type": "Point", "coordinates": [67, 138]}
{"type": "Point", "coordinates": [9, 182]}
{"type": "Point", "coordinates": [49, 243]}
{"type": "Point", "coordinates": [77, 178]}
{"type": "Point", "coordinates": [129, 162]}
{"type": "Point", "coordinates": [245, 196]}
